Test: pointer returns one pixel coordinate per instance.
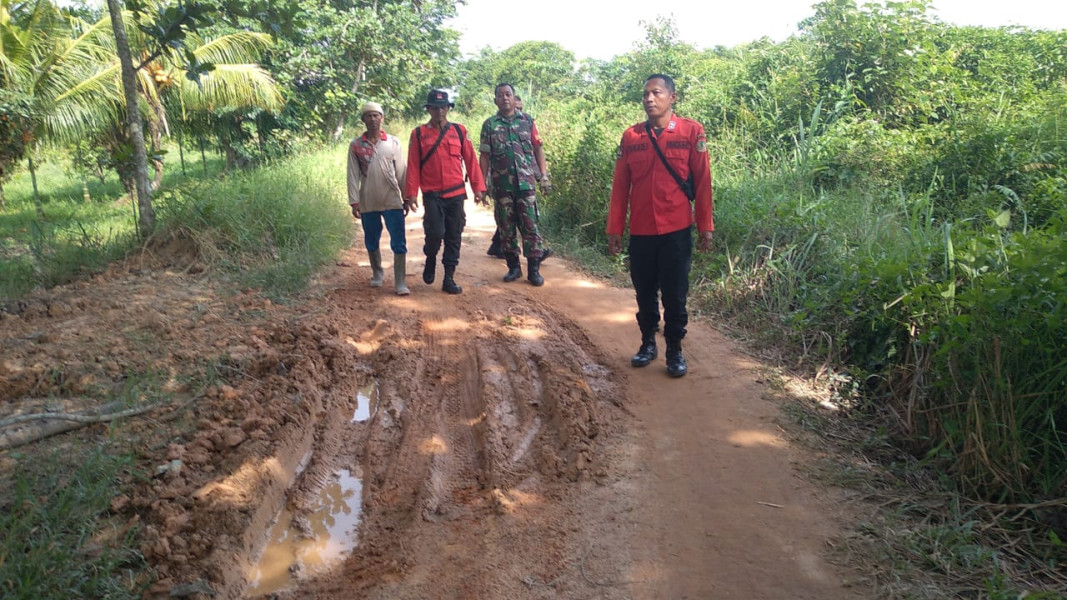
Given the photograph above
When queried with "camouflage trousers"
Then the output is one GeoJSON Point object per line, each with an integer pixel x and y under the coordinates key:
{"type": "Point", "coordinates": [515, 217]}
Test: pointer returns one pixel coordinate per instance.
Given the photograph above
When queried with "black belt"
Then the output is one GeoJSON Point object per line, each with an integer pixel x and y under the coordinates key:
{"type": "Point", "coordinates": [441, 194]}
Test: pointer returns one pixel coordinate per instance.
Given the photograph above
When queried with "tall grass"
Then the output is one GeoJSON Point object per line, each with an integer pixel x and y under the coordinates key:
{"type": "Point", "coordinates": [271, 227]}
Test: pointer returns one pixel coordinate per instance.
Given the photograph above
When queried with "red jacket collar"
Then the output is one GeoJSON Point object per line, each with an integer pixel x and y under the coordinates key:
{"type": "Point", "coordinates": [384, 136]}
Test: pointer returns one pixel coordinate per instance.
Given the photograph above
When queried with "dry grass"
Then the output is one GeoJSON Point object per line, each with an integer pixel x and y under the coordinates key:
{"type": "Point", "coordinates": [911, 537]}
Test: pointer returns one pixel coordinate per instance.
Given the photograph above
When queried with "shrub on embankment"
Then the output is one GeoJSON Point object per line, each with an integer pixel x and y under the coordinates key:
{"type": "Point", "coordinates": [269, 227]}
{"type": "Point", "coordinates": [902, 226]}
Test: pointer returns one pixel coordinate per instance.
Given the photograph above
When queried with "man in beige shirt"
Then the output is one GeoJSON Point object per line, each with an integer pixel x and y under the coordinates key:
{"type": "Point", "coordinates": [376, 170]}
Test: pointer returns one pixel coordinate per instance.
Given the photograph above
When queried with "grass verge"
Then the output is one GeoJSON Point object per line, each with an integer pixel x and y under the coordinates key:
{"type": "Point", "coordinates": [911, 537]}
{"type": "Point", "coordinates": [56, 542]}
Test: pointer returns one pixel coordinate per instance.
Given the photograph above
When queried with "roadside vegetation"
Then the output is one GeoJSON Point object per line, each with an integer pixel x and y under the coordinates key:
{"type": "Point", "coordinates": [891, 211]}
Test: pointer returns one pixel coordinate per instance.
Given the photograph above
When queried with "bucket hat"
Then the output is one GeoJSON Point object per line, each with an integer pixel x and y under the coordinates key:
{"type": "Point", "coordinates": [438, 98]}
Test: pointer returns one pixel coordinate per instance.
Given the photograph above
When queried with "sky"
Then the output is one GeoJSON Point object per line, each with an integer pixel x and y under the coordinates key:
{"type": "Point", "coordinates": [605, 28]}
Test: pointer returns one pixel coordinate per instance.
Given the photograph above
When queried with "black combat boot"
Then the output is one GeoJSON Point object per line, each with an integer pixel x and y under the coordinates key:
{"type": "Point", "coordinates": [449, 286]}
{"type": "Point", "coordinates": [676, 366]}
{"type": "Point", "coordinates": [533, 268]}
{"type": "Point", "coordinates": [647, 352]}
{"type": "Point", "coordinates": [495, 248]}
{"type": "Point", "coordinates": [430, 270]}
{"type": "Point", "coordinates": [514, 270]}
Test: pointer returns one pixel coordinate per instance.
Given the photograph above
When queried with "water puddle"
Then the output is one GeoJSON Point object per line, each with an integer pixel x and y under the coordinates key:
{"type": "Point", "coordinates": [298, 549]}
{"type": "Point", "coordinates": [366, 401]}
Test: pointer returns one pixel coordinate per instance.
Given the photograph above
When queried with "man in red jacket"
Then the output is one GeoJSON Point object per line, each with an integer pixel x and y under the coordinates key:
{"type": "Point", "coordinates": [438, 152]}
{"type": "Point", "coordinates": [662, 176]}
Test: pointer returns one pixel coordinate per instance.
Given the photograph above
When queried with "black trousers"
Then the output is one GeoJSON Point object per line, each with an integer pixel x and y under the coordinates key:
{"type": "Point", "coordinates": [660, 264]}
{"type": "Point", "coordinates": [444, 219]}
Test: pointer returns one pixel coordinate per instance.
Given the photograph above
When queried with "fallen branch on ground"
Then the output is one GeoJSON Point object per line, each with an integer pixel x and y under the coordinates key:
{"type": "Point", "coordinates": [62, 422]}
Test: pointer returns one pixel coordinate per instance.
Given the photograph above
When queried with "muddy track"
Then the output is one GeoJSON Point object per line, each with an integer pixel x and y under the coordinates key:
{"type": "Point", "coordinates": [509, 450]}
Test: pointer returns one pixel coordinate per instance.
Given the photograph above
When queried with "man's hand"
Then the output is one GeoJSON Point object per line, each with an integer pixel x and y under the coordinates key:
{"type": "Point", "coordinates": [481, 198]}
{"type": "Point", "coordinates": [614, 244]}
{"type": "Point", "coordinates": [546, 185]}
{"type": "Point", "coordinates": [356, 211]}
{"type": "Point", "coordinates": [410, 205]}
{"type": "Point", "coordinates": [704, 241]}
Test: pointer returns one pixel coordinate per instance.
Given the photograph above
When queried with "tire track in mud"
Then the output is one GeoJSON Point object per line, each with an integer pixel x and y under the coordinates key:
{"type": "Point", "coordinates": [487, 423]}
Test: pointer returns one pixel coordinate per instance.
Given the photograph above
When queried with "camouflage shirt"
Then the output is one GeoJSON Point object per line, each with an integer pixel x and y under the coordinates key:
{"type": "Point", "coordinates": [510, 142]}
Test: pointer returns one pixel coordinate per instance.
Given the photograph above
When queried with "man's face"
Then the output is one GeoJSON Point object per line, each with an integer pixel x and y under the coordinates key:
{"type": "Point", "coordinates": [437, 113]}
{"type": "Point", "coordinates": [505, 99]}
{"type": "Point", "coordinates": [657, 99]}
{"type": "Point", "coordinates": [373, 120]}
{"type": "Point", "coordinates": [518, 104]}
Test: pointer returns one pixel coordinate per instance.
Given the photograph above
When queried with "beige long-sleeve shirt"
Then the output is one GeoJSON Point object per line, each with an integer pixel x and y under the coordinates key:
{"type": "Point", "coordinates": [376, 172]}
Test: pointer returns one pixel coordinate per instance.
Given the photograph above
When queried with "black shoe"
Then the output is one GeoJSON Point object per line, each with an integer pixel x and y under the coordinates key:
{"type": "Point", "coordinates": [429, 272]}
{"type": "Point", "coordinates": [495, 248]}
{"type": "Point", "coordinates": [645, 354]}
{"type": "Point", "coordinates": [676, 366]}
{"type": "Point", "coordinates": [534, 272]}
{"type": "Point", "coordinates": [514, 270]}
{"type": "Point", "coordinates": [545, 254]}
{"type": "Point", "coordinates": [449, 286]}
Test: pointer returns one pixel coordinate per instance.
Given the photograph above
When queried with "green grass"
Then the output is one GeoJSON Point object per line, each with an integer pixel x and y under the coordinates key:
{"type": "Point", "coordinates": [268, 228]}
{"type": "Point", "coordinates": [57, 542]}
{"type": "Point", "coordinates": [76, 237]}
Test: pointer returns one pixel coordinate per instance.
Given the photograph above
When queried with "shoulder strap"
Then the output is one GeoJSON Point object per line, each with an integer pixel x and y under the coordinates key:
{"type": "Point", "coordinates": [459, 134]}
{"type": "Point", "coordinates": [440, 138]}
{"type": "Point", "coordinates": [686, 187]}
{"type": "Point", "coordinates": [462, 143]}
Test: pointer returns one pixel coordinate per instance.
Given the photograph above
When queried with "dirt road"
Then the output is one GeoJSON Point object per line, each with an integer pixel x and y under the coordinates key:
{"type": "Point", "coordinates": [635, 485]}
{"type": "Point", "coordinates": [510, 450]}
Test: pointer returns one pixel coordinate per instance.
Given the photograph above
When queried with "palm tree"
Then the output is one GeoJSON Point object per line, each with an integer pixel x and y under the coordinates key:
{"type": "Point", "coordinates": [43, 53]}
{"type": "Point", "coordinates": [234, 82]}
{"type": "Point", "coordinates": [69, 73]}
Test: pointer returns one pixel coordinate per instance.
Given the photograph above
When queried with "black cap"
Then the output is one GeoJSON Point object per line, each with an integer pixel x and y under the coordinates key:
{"type": "Point", "coordinates": [438, 98]}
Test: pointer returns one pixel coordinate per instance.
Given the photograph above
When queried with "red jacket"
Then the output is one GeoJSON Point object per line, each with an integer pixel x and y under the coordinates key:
{"type": "Point", "coordinates": [642, 185]}
{"type": "Point", "coordinates": [444, 169]}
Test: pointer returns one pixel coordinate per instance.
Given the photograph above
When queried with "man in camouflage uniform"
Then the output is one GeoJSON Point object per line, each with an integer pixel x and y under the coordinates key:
{"type": "Point", "coordinates": [513, 159]}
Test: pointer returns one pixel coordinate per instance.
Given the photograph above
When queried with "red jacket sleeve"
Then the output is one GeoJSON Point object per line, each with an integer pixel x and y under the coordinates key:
{"type": "Point", "coordinates": [620, 193]}
{"type": "Point", "coordinates": [474, 170]}
{"type": "Point", "coordinates": [700, 167]}
{"type": "Point", "coordinates": [413, 178]}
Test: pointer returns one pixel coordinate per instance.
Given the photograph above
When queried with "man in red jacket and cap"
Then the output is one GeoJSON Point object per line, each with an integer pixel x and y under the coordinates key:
{"type": "Point", "coordinates": [662, 177]}
{"type": "Point", "coordinates": [438, 153]}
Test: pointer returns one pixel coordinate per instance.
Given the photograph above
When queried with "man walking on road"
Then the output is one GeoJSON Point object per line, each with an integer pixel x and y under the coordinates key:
{"type": "Point", "coordinates": [376, 171]}
{"type": "Point", "coordinates": [662, 175]}
{"type": "Point", "coordinates": [495, 250]}
{"type": "Point", "coordinates": [437, 154]}
{"type": "Point", "coordinates": [513, 160]}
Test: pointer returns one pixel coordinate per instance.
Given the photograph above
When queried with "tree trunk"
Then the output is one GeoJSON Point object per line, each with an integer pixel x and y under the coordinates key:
{"type": "Point", "coordinates": [3, 198]}
{"type": "Point", "coordinates": [181, 153]}
{"type": "Point", "coordinates": [203, 156]}
{"type": "Point", "coordinates": [36, 194]}
{"type": "Point", "coordinates": [156, 124]}
{"type": "Point", "coordinates": [339, 127]}
{"type": "Point", "coordinates": [146, 220]}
